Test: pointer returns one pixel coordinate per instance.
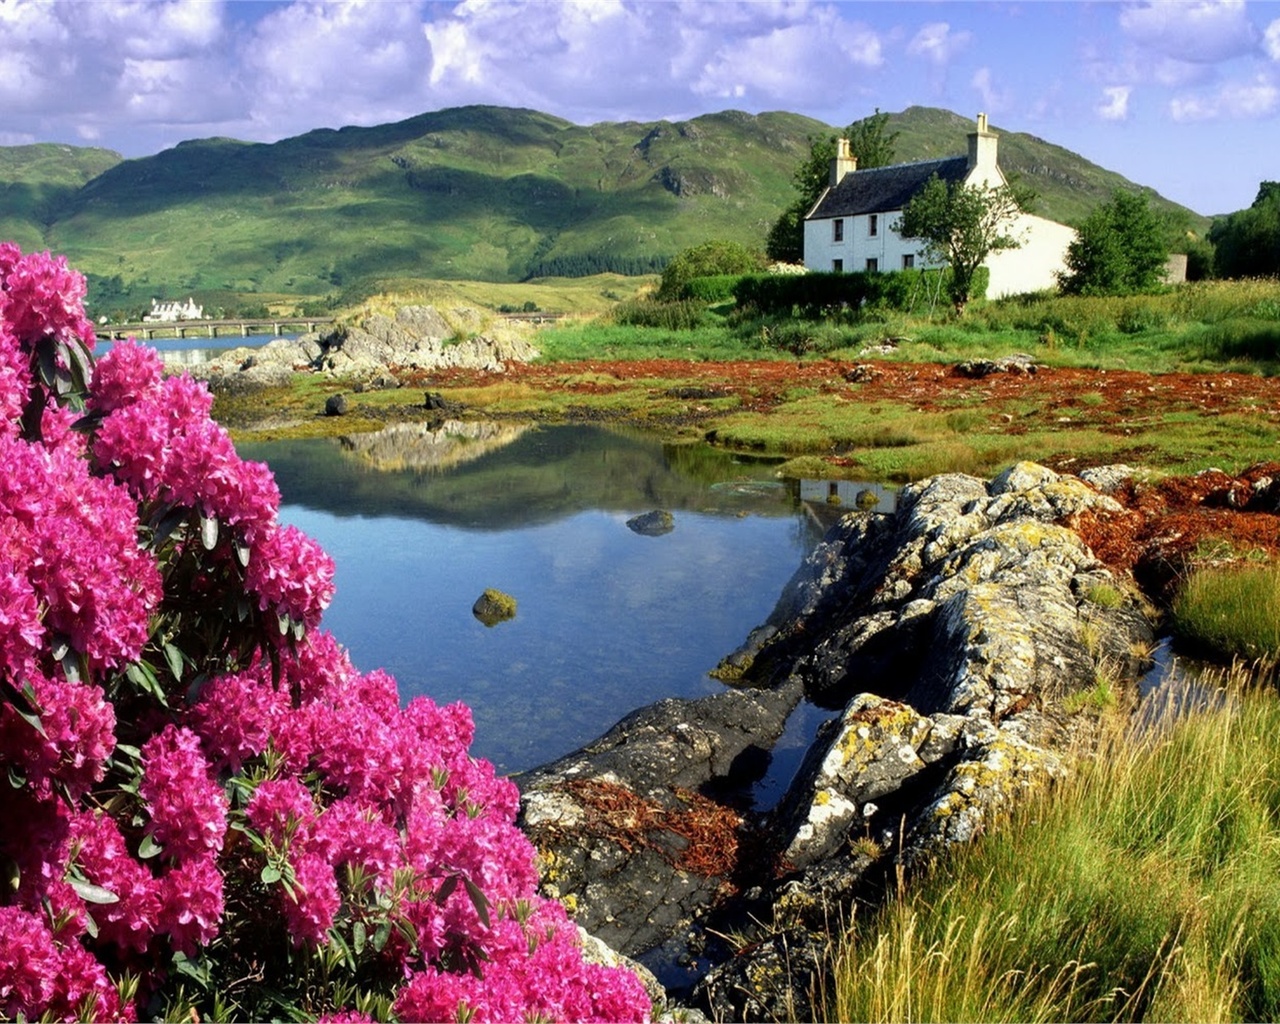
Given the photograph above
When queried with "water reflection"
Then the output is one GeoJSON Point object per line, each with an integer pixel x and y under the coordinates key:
{"type": "Point", "coordinates": [608, 619]}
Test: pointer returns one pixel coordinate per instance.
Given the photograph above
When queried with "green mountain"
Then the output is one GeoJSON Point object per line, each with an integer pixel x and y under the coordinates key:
{"type": "Point", "coordinates": [483, 193]}
{"type": "Point", "coordinates": [38, 182]}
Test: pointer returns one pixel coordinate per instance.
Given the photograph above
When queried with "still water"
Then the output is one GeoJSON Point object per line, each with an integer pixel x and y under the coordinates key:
{"type": "Point", "coordinates": [420, 522]}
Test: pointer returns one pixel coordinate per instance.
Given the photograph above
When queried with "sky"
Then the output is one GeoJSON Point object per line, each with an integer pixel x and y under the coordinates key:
{"type": "Point", "coordinates": [1179, 95]}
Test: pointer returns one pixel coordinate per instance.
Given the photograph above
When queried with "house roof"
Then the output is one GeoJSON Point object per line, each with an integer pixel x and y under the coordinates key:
{"type": "Point", "coordinates": [880, 189]}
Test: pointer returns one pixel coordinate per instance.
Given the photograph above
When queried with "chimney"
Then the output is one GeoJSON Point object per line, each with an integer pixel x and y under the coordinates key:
{"type": "Point", "coordinates": [982, 146]}
{"type": "Point", "coordinates": [843, 163]}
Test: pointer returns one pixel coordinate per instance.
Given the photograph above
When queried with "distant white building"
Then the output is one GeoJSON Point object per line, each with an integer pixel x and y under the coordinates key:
{"type": "Point", "coordinates": [167, 312]}
{"type": "Point", "coordinates": [853, 224]}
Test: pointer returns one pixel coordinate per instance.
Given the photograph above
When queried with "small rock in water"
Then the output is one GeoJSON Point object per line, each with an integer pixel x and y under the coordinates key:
{"type": "Point", "coordinates": [494, 606]}
{"type": "Point", "coordinates": [866, 498]}
{"type": "Point", "coordinates": [652, 524]}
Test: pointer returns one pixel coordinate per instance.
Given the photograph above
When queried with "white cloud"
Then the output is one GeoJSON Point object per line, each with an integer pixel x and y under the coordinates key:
{"type": "Point", "coordinates": [1205, 31]}
{"type": "Point", "coordinates": [333, 64]}
{"type": "Point", "coordinates": [1115, 103]}
{"type": "Point", "coordinates": [793, 65]}
{"type": "Point", "coordinates": [993, 99]}
{"type": "Point", "coordinates": [1271, 40]}
{"type": "Point", "coordinates": [936, 43]}
{"type": "Point", "coordinates": [1235, 100]}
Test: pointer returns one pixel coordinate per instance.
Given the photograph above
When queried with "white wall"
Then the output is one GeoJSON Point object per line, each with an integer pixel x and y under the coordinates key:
{"type": "Point", "coordinates": [1034, 266]}
{"type": "Point", "coordinates": [859, 245]}
{"type": "Point", "coordinates": [1030, 268]}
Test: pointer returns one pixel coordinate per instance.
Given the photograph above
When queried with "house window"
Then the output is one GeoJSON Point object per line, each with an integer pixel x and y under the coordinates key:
{"type": "Point", "coordinates": [908, 261]}
{"type": "Point", "coordinates": [873, 265]}
{"type": "Point", "coordinates": [837, 230]}
{"type": "Point", "coordinates": [837, 266]}
{"type": "Point", "coordinates": [873, 225]}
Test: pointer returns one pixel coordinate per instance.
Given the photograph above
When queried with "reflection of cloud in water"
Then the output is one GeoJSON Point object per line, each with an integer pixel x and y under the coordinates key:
{"type": "Point", "coordinates": [429, 446]}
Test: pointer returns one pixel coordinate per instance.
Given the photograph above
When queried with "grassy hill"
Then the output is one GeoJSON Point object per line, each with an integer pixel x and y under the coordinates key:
{"type": "Point", "coordinates": [471, 193]}
{"type": "Point", "coordinates": [37, 182]}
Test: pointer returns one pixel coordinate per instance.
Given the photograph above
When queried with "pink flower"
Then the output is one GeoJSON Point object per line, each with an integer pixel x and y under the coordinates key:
{"type": "Point", "coordinates": [78, 734]}
{"type": "Point", "coordinates": [30, 965]}
{"type": "Point", "coordinates": [128, 373]}
{"type": "Point", "coordinates": [309, 909]}
{"type": "Point", "coordinates": [235, 716]}
{"type": "Point", "coordinates": [188, 808]}
{"type": "Point", "coordinates": [350, 834]}
{"type": "Point", "coordinates": [281, 809]}
{"type": "Point", "coordinates": [104, 860]}
{"type": "Point", "coordinates": [45, 299]}
{"type": "Point", "coordinates": [291, 575]}
{"type": "Point", "coordinates": [191, 904]}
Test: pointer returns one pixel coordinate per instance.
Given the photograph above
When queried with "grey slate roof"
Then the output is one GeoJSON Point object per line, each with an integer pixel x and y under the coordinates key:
{"type": "Point", "coordinates": [881, 189]}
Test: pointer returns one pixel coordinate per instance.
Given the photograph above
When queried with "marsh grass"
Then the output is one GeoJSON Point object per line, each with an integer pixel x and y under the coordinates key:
{"type": "Point", "coordinates": [1232, 611]}
{"type": "Point", "coordinates": [1135, 890]}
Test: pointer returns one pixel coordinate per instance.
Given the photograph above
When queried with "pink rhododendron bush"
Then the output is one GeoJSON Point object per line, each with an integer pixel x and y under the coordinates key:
{"type": "Point", "coordinates": [207, 811]}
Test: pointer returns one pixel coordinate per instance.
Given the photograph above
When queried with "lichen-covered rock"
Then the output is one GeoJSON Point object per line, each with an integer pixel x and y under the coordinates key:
{"type": "Point", "coordinates": [641, 828]}
{"type": "Point", "coordinates": [652, 524]}
{"type": "Point", "coordinates": [494, 606]}
{"type": "Point", "coordinates": [876, 746]}
{"type": "Point", "coordinates": [950, 631]}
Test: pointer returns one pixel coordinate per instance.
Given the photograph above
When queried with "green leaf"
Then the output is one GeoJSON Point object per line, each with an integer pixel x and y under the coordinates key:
{"type": "Point", "coordinates": [242, 552]}
{"type": "Point", "coordinates": [282, 621]}
{"type": "Point", "coordinates": [209, 532]}
{"type": "Point", "coordinates": [148, 848]}
{"type": "Point", "coordinates": [336, 938]}
{"type": "Point", "coordinates": [91, 893]}
{"type": "Point", "coordinates": [479, 900]}
{"type": "Point", "coordinates": [90, 926]}
{"type": "Point", "coordinates": [299, 631]}
{"type": "Point", "coordinates": [30, 714]}
{"type": "Point", "coordinates": [446, 889]}
{"type": "Point", "coordinates": [71, 666]}
{"type": "Point", "coordinates": [359, 935]}
{"type": "Point", "coordinates": [175, 660]}
{"type": "Point", "coordinates": [80, 363]}
{"type": "Point", "coordinates": [271, 874]}
{"type": "Point", "coordinates": [16, 779]}
{"type": "Point", "coordinates": [381, 936]}
{"type": "Point", "coordinates": [10, 874]}
{"type": "Point", "coordinates": [45, 353]}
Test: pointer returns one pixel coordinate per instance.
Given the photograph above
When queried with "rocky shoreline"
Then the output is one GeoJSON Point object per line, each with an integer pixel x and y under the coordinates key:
{"type": "Point", "coordinates": [962, 636]}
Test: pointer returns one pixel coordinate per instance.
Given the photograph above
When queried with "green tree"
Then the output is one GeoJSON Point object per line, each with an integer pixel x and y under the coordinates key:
{"type": "Point", "coordinates": [1248, 241]}
{"type": "Point", "coordinates": [706, 260]}
{"type": "Point", "coordinates": [961, 225]}
{"type": "Point", "coordinates": [869, 140]}
{"type": "Point", "coordinates": [1120, 249]}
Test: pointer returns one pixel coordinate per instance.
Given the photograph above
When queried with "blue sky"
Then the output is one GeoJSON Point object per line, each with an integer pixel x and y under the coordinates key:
{"type": "Point", "coordinates": [1180, 95]}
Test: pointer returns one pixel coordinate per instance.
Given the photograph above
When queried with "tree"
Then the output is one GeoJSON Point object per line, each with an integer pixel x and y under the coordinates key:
{"type": "Point", "coordinates": [706, 260]}
{"type": "Point", "coordinates": [1120, 249]}
{"type": "Point", "coordinates": [1248, 242]}
{"type": "Point", "coordinates": [961, 225]}
{"type": "Point", "coordinates": [869, 140]}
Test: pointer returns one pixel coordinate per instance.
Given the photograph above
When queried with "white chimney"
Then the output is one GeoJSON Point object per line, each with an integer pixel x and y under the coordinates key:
{"type": "Point", "coordinates": [843, 163]}
{"type": "Point", "coordinates": [982, 147]}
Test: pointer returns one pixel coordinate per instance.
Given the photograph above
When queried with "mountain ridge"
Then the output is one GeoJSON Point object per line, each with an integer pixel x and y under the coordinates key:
{"type": "Point", "coordinates": [477, 192]}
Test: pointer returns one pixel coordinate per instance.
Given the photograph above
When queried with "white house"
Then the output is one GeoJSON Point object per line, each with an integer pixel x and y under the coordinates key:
{"type": "Point", "coordinates": [167, 312]}
{"type": "Point", "coordinates": [852, 225]}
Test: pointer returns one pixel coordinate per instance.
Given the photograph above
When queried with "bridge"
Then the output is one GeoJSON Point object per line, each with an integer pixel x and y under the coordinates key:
{"type": "Point", "coordinates": [148, 330]}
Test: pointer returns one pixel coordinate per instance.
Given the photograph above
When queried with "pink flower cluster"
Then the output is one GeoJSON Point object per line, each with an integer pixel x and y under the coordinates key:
{"type": "Point", "coordinates": [274, 790]}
